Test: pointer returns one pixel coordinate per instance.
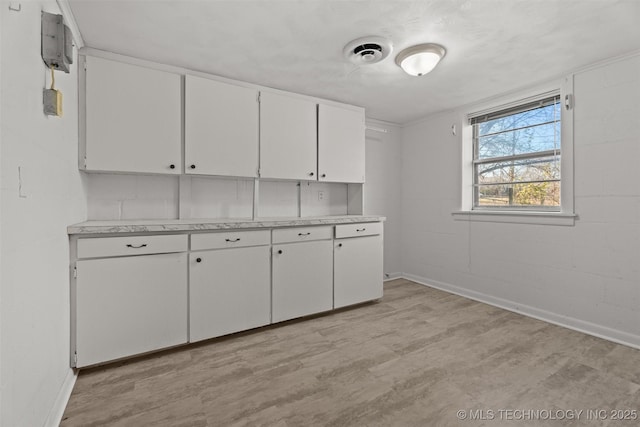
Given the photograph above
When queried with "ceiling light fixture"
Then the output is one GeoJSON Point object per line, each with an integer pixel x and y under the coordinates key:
{"type": "Point", "coordinates": [420, 59]}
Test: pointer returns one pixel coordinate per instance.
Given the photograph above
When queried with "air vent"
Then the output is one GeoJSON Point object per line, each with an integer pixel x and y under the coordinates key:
{"type": "Point", "coordinates": [367, 50]}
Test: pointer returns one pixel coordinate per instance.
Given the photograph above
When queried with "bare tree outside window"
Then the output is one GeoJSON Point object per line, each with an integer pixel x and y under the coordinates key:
{"type": "Point", "coordinates": [517, 157]}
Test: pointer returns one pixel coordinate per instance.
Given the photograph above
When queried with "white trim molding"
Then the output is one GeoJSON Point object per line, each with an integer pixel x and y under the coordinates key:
{"type": "Point", "coordinates": [57, 410]}
{"type": "Point", "coordinates": [381, 126]}
{"type": "Point", "coordinates": [392, 276]}
{"type": "Point", "coordinates": [70, 20]}
{"type": "Point", "coordinates": [520, 217]}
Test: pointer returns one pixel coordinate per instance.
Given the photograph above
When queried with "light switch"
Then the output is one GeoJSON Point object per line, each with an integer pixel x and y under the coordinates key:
{"type": "Point", "coordinates": [22, 188]}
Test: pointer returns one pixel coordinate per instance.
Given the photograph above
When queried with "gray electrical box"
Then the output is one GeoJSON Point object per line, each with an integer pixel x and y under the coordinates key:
{"type": "Point", "coordinates": [57, 42]}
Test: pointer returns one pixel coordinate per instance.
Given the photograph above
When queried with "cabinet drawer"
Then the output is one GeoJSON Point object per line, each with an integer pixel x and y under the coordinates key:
{"type": "Point", "coordinates": [301, 234]}
{"type": "Point", "coordinates": [133, 245]}
{"type": "Point", "coordinates": [355, 230]}
{"type": "Point", "coordinates": [230, 239]}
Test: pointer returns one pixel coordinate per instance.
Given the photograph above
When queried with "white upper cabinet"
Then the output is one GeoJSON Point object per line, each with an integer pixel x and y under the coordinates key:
{"type": "Point", "coordinates": [132, 121]}
{"type": "Point", "coordinates": [341, 149]}
{"type": "Point", "coordinates": [288, 147]}
{"type": "Point", "coordinates": [133, 118]}
{"type": "Point", "coordinates": [221, 128]}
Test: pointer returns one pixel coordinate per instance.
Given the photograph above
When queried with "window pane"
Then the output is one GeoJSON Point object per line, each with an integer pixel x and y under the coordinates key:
{"type": "Point", "coordinates": [528, 140]}
{"type": "Point", "coordinates": [531, 195]}
{"type": "Point", "coordinates": [517, 156]}
{"type": "Point", "coordinates": [526, 118]}
{"type": "Point", "coordinates": [557, 109]}
{"type": "Point", "coordinates": [536, 169]}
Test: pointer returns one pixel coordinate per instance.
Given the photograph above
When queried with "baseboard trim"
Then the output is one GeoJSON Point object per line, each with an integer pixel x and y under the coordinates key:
{"type": "Point", "coordinates": [392, 276]}
{"type": "Point", "coordinates": [57, 410]}
{"type": "Point", "coordinates": [585, 327]}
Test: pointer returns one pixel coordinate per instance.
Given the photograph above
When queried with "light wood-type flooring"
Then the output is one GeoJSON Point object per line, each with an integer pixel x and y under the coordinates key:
{"type": "Point", "coordinates": [415, 358]}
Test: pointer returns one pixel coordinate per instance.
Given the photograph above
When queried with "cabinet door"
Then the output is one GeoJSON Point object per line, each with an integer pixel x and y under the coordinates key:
{"type": "Point", "coordinates": [133, 118]}
{"type": "Point", "coordinates": [130, 305]}
{"type": "Point", "coordinates": [229, 291]}
{"type": "Point", "coordinates": [357, 270]}
{"type": "Point", "coordinates": [341, 148]}
{"type": "Point", "coordinates": [302, 279]}
{"type": "Point", "coordinates": [287, 137]}
{"type": "Point", "coordinates": [221, 128]}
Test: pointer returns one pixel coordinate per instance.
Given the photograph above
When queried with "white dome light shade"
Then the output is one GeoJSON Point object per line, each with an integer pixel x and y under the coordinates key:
{"type": "Point", "coordinates": [421, 59]}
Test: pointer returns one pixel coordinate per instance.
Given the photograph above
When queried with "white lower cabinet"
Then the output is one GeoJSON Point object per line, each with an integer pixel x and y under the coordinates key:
{"type": "Point", "coordinates": [302, 279]}
{"type": "Point", "coordinates": [357, 275]}
{"type": "Point", "coordinates": [129, 305]}
{"type": "Point", "coordinates": [136, 294]}
{"type": "Point", "coordinates": [229, 291]}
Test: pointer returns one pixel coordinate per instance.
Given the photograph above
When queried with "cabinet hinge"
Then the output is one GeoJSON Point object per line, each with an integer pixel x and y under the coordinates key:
{"type": "Point", "coordinates": [84, 162]}
{"type": "Point", "coordinates": [75, 358]}
{"type": "Point", "coordinates": [75, 272]}
{"type": "Point", "coordinates": [258, 97]}
{"type": "Point", "coordinates": [258, 171]}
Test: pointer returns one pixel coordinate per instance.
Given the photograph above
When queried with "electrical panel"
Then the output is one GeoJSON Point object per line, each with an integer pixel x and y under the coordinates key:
{"type": "Point", "coordinates": [57, 42]}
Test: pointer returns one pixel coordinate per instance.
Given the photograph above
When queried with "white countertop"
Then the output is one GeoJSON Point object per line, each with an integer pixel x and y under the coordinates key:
{"type": "Point", "coordinates": [166, 225]}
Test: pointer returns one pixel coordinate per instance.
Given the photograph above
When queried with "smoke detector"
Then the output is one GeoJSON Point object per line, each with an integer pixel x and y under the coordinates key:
{"type": "Point", "coordinates": [367, 50]}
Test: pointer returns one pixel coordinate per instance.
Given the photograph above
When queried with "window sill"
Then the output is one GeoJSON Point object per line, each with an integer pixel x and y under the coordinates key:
{"type": "Point", "coordinates": [541, 218]}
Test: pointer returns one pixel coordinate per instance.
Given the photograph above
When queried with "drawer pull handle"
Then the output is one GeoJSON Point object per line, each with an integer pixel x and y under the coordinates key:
{"type": "Point", "coordinates": [198, 259]}
{"type": "Point", "coordinates": [232, 240]}
{"type": "Point", "coordinates": [339, 245]}
{"type": "Point", "coordinates": [280, 251]}
{"type": "Point", "coordinates": [144, 245]}
{"type": "Point", "coordinates": [360, 229]}
{"type": "Point", "coordinates": [303, 234]}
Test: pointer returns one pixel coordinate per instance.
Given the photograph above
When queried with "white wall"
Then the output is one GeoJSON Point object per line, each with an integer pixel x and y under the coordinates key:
{"type": "Point", "coordinates": [127, 196]}
{"type": "Point", "coordinates": [383, 188]}
{"type": "Point", "coordinates": [220, 198]}
{"type": "Point", "coordinates": [585, 276]}
{"type": "Point", "coordinates": [113, 196]}
{"type": "Point", "coordinates": [2, 12]}
{"type": "Point", "coordinates": [35, 212]}
{"type": "Point", "coordinates": [323, 198]}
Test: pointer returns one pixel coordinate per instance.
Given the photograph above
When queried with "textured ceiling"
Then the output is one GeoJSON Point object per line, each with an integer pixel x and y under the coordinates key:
{"type": "Point", "coordinates": [493, 46]}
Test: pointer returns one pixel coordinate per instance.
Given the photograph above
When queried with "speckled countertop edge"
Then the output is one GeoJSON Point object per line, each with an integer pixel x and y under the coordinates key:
{"type": "Point", "coordinates": [172, 225]}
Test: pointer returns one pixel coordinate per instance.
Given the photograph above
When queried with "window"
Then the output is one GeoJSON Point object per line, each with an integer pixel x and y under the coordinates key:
{"type": "Point", "coordinates": [516, 157]}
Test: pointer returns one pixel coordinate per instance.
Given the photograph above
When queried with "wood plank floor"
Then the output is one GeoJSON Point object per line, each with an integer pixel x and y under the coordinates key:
{"type": "Point", "coordinates": [413, 359]}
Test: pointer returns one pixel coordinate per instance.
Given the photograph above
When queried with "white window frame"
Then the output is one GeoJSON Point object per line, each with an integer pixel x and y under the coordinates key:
{"type": "Point", "coordinates": [566, 215]}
